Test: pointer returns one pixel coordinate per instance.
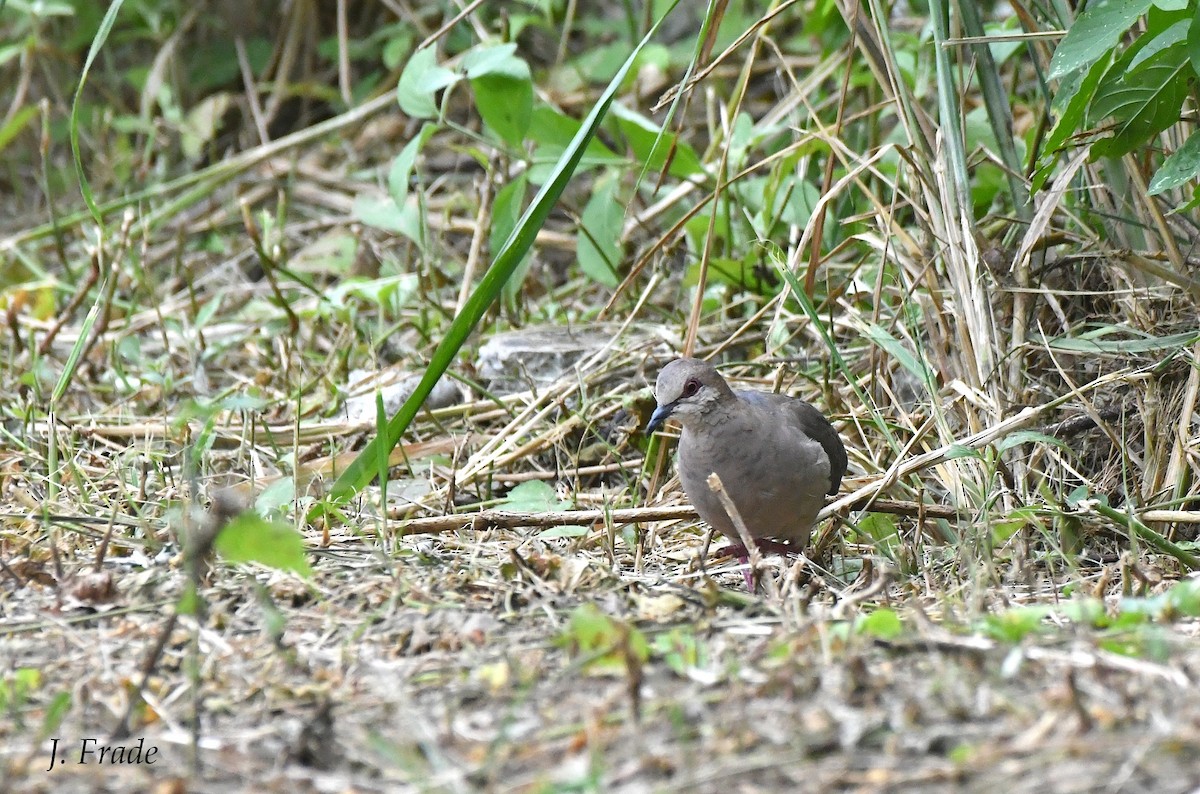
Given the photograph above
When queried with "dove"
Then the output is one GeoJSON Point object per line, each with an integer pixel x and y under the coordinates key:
{"type": "Point", "coordinates": [777, 456]}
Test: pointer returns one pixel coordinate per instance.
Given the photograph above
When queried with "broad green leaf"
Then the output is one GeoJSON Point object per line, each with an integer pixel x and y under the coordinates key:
{"type": "Point", "coordinates": [276, 495]}
{"type": "Point", "coordinates": [1183, 599]}
{"type": "Point", "coordinates": [1180, 167]}
{"type": "Point", "coordinates": [535, 496]}
{"type": "Point", "coordinates": [505, 104]}
{"type": "Point", "coordinates": [551, 133]}
{"type": "Point", "coordinates": [962, 451]}
{"type": "Point", "coordinates": [1094, 33]}
{"type": "Point", "coordinates": [606, 644]}
{"type": "Point", "coordinates": [1085, 611]}
{"type": "Point", "coordinates": [1193, 42]}
{"type": "Point", "coordinates": [419, 83]}
{"type": "Point", "coordinates": [1003, 529]}
{"type": "Point", "coordinates": [55, 713]}
{"type": "Point", "coordinates": [382, 213]}
{"type": "Point", "coordinates": [402, 166]}
{"type": "Point", "coordinates": [1176, 33]}
{"type": "Point", "coordinates": [800, 202]}
{"type": "Point", "coordinates": [1014, 624]}
{"type": "Point", "coordinates": [554, 130]}
{"type": "Point", "coordinates": [599, 247]}
{"type": "Point", "coordinates": [503, 90]}
{"type": "Point", "coordinates": [1071, 102]}
{"type": "Point", "coordinates": [882, 623]}
{"type": "Point", "coordinates": [641, 133]}
{"type": "Point", "coordinates": [1144, 102]}
{"type": "Point", "coordinates": [385, 291]}
{"type": "Point", "coordinates": [880, 528]}
{"type": "Point", "coordinates": [251, 538]}
{"type": "Point", "coordinates": [332, 253]}
{"type": "Point", "coordinates": [494, 59]}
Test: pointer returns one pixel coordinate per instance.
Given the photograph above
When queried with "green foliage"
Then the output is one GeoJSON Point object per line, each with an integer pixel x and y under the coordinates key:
{"type": "Point", "coordinates": [1113, 340]}
{"type": "Point", "coordinates": [1130, 93]}
{"type": "Point", "coordinates": [681, 650]}
{"type": "Point", "coordinates": [879, 529]}
{"type": "Point", "coordinates": [882, 623]}
{"type": "Point", "coordinates": [504, 264]}
{"type": "Point", "coordinates": [1132, 627]}
{"type": "Point", "coordinates": [602, 643]}
{"type": "Point", "coordinates": [19, 688]}
{"type": "Point", "coordinates": [249, 537]}
{"type": "Point", "coordinates": [503, 90]}
{"type": "Point", "coordinates": [536, 496]}
{"type": "Point", "coordinates": [600, 232]}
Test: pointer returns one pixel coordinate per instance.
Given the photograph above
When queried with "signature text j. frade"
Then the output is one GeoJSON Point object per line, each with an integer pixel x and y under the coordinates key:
{"type": "Point", "coordinates": [91, 751]}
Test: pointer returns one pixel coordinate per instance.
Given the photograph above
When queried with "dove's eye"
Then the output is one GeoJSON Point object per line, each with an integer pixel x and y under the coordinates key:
{"type": "Point", "coordinates": [691, 387]}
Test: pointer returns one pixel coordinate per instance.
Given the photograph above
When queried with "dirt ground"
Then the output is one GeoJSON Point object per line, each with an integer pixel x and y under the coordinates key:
{"type": "Point", "coordinates": [496, 663]}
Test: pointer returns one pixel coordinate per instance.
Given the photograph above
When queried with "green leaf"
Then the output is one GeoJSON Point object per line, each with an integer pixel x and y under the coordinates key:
{"type": "Point", "coordinates": [506, 212]}
{"type": "Point", "coordinates": [503, 90]}
{"type": "Point", "coordinates": [1003, 529]}
{"type": "Point", "coordinates": [56, 712]}
{"type": "Point", "coordinates": [505, 262]}
{"type": "Point", "coordinates": [1180, 167]}
{"type": "Point", "coordinates": [1174, 34]}
{"type": "Point", "coordinates": [882, 623]}
{"type": "Point", "coordinates": [498, 59]}
{"type": "Point", "coordinates": [551, 132]}
{"type": "Point", "coordinates": [962, 451]}
{"type": "Point", "coordinates": [276, 495]}
{"type": "Point", "coordinates": [1094, 33]}
{"type": "Point", "coordinates": [1029, 437]}
{"type": "Point", "coordinates": [419, 83]}
{"type": "Point", "coordinates": [535, 496]}
{"type": "Point", "coordinates": [505, 104]}
{"type": "Point", "coordinates": [382, 213]}
{"type": "Point", "coordinates": [402, 166]}
{"type": "Point", "coordinates": [1094, 343]}
{"type": "Point", "coordinates": [599, 248]}
{"type": "Point", "coordinates": [333, 254]}
{"type": "Point", "coordinates": [13, 126]}
{"type": "Point", "coordinates": [606, 643]}
{"type": "Point", "coordinates": [1085, 611]}
{"type": "Point", "coordinates": [563, 531]}
{"type": "Point", "coordinates": [1071, 101]}
{"type": "Point", "coordinates": [1193, 42]}
{"type": "Point", "coordinates": [895, 349]}
{"type": "Point", "coordinates": [85, 187]}
{"type": "Point", "coordinates": [1143, 102]}
{"type": "Point", "coordinates": [189, 600]}
{"type": "Point", "coordinates": [641, 133]}
{"type": "Point", "coordinates": [251, 538]}
{"type": "Point", "coordinates": [1184, 599]}
{"type": "Point", "coordinates": [881, 529]}
{"type": "Point", "coordinates": [1013, 625]}
{"type": "Point", "coordinates": [1079, 493]}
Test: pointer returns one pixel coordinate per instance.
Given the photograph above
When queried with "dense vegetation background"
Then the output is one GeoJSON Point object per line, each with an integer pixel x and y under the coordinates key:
{"type": "Point", "coordinates": [964, 231]}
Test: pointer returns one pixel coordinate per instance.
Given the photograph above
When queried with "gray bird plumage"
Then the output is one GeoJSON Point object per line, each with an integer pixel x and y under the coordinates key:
{"type": "Point", "coordinates": [777, 456]}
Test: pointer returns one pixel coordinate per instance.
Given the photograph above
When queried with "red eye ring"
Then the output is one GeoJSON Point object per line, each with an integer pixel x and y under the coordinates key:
{"type": "Point", "coordinates": [691, 387]}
